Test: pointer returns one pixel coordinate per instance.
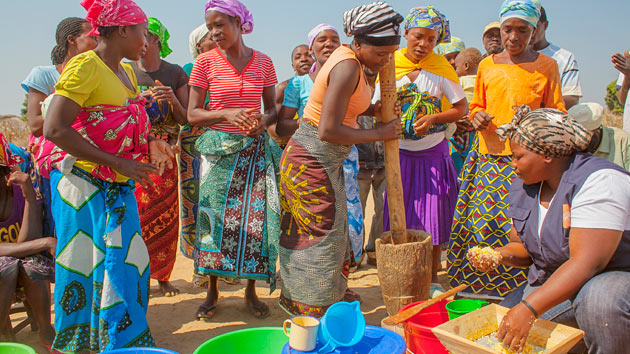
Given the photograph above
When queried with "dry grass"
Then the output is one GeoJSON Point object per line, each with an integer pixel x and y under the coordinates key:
{"type": "Point", "coordinates": [611, 119]}
{"type": "Point", "coordinates": [15, 130]}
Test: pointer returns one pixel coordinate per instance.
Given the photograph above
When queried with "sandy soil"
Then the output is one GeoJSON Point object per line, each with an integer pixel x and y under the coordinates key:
{"type": "Point", "coordinates": [172, 319]}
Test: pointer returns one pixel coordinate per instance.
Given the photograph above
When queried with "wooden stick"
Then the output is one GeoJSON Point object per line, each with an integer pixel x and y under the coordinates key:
{"type": "Point", "coordinates": [412, 311]}
{"type": "Point", "coordinates": [397, 219]}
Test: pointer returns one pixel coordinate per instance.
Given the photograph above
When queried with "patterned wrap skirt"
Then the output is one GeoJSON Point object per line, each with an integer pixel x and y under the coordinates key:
{"type": "Point", "coordinates": [102, 265]}
{"type": "Point", "coordinates": [159, 219]}
{"type": "Point", "coordinates": [239, 210]}
{"type": "Point", "coordinates": [314, 245]}
{"type": "Point", "coordinates": [480, 220]}
{"type": "Point", "coordinates": [429, 185]}
{"type": "Point", "coordinates": [355, 210]}
{"type": "Point", "coordinates": [188, 161]}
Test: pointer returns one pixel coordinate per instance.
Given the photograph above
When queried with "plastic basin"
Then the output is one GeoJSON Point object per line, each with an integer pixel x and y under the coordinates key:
{"type": "Point", "coordinates": [418, 335]}
{"type": "Point", "coordinates": [261, 340]}
{"type": "Point", "coordinates": [142, 351]}
{"type": "Point", "coordinates": [15, 348]}
{"type": "Point", "coordinates": [376, 340]}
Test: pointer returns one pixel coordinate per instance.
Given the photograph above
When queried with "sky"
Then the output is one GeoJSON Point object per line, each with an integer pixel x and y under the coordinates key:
{"type": "Point", "coordinates": [28, 32]}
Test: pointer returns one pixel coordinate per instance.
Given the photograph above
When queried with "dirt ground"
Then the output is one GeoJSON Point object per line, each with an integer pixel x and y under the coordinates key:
{"type": "Point", "coordinates": [174, 327]}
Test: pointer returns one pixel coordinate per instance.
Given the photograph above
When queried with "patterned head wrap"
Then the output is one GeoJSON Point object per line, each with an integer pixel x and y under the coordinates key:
{"type": "Point", "coordinates": [429, 17]}
{"type": "Point", "coordinates": [377, 23]}
{"type": "Point", "coordinates": [546, 132]}
{"type": "Point", "coordinates": [456, 45]}
{"type": "Point", "coordinates": [8, 158]}
{"type": "Point", "coordinates": [108, 13]}
{"type": "Point", "coordinates": [195, 37]}
{"type": "Point", "coordinates": [526, 10]}
{"type": "Point", "coordinates": [157, 28]}
{"type": "Point", "coordinates": [233, 8]}
{"type": "Point", "coordinates": [317, 30]}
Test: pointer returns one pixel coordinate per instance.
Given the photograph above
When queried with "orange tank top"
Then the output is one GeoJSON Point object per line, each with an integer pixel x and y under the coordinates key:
{"type": "Point", "coordinates": [359, 101]}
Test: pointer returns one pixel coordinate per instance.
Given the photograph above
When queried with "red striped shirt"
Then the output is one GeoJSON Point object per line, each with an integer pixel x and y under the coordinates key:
{"type": "Point", "coordinates": [229, 89]}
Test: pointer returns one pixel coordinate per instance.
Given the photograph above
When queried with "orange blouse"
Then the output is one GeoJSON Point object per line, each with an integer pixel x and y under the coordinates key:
{"type": "Point", "coordinates": [500, 87]}
{"type": "Point", "coordinates": [359, 101]}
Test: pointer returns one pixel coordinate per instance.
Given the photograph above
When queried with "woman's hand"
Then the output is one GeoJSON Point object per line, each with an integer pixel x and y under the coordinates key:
{"type": "Point", "coordinates": [137, 171]}
{"type": "Point", "coordinates": [422, 125]}
{"type": "Point", "coordinates": [622, 62]}
{"type": "Point", "coordinates": [51, 245]}
{"type": "Point", "coordinates": [161, 154]}
{"type": "Point", "coordinates": [515, 327]}
{"type": "Point", "coordinates": [481, 120]}
{"type": "Point", "coordinates": [241, 118]}
{"type": "Point", "coordinates": [378, 107]}
{"type": "Point", "coordinates": [390, 131]}
{"type": "Point", "coordinates": [164, 93]}
{"type": "Point", "coordinates": [19, 177]}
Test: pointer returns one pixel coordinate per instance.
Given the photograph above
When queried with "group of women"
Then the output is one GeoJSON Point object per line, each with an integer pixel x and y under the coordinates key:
{"type": "Point", "coordinates": [106, 171]}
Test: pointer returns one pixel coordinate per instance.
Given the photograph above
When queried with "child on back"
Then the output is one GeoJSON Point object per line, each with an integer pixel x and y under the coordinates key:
{"type": "Point", "coordinates": [466, 64]}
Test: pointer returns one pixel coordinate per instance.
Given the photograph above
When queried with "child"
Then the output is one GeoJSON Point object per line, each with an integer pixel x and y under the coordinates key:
{"type": "Point", "coordinates": [466, 65]}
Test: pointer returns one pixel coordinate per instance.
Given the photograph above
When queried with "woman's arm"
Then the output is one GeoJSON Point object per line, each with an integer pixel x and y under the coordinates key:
{"type": "Point", "coordinates": [58, 129]}
{"type": "Point", "coordinates": [31, 228]}
{"type": "Point", "coordinates": [198, 115]}
{"type": "Point", "coordinates": [34, 112]}
{"type": "Point", "coordinates": [28, 248]}
{"type": "Point", "coordinates": [590, 250]}
{"type": "Point", "coordinates": [514, 254]}
{"type": "Point", "coordinates": [451, 115]}
{"type": "Point", "coordinates": [270, 116]}
{"type": "Point", "coordinates": [343, 80]}
{"type": "Point", "coordinates": [286, 125]}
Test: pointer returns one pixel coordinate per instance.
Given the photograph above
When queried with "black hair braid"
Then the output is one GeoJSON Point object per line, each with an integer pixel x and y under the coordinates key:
{"type": "Point", "coordinates": [67, 27]}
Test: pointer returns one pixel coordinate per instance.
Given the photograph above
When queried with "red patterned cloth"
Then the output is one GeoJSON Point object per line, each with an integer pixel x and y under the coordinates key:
{"type": "Point", "coordinates": [159, 219]}
{"type": "Point", "coordinates": [121, 131]}
{"type": "Point", "coordinates": [112, 13]}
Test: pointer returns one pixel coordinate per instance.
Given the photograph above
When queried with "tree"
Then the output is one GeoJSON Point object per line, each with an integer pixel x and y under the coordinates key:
{"type": "Point", "coordinates": [24, 109]}
{"type": "Point", "coordinates": [612, 101]}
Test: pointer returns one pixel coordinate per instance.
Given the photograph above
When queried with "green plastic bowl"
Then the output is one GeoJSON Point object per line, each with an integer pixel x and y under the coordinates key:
{"type": "Point", "coordinates": [15, 348]}
{"type": "Point", "coordinates": [461, 307]}
{"type": "Point", "coordinates": [261, 340]}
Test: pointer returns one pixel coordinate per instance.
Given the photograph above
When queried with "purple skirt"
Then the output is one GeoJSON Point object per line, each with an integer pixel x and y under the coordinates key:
{"type": "Point", "coordinates": [429, 181]}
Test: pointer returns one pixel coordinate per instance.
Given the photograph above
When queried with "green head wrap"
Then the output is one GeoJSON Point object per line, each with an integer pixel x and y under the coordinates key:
{"type": "Point", "coordinates": [157, 28]}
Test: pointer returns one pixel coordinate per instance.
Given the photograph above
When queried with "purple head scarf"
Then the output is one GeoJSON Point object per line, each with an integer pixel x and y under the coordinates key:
{"type": "Point", "coordinates": [317, 30]}
{"type": "Point", "coordinates": [233, 8]}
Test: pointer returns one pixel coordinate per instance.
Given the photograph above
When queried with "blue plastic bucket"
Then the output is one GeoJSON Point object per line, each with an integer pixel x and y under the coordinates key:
{"type": "Point", "coordinates": [376, 340]}
{"type": "Point", "coordinates": [343, 325]}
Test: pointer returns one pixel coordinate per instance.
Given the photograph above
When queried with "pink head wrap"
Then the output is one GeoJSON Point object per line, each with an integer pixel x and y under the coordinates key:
{"type": "Point", "coordinates": [317, 30]}
{"type": "Point", "coordinates": [233, 8]}
{"type": "Point", "coordinates": [112, 13]}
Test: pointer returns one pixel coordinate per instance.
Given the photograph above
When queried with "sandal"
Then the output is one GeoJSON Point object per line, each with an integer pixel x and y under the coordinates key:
{"type": "Point", "coordinates": [205, 312]}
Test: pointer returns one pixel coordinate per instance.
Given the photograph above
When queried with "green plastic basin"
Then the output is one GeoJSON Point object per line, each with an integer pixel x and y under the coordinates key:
{"type": "Point", "coordinates": [16, 348]}
{"type": "Point", "coordinates": [261, 340]}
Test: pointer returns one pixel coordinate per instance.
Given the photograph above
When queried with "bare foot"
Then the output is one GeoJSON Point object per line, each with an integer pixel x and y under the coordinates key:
{"type": "Point", "coordinates": [207, 309]}
{"type": "Point", "coordinates": [167, 288]}
{"type": "Point", "coordinates": [258, 308]}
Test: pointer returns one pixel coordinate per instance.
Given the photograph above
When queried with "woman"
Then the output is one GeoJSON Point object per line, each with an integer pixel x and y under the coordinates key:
{"type": "Point", "coordinates": [238, 219]}
{"type": "Point", "coordinates": [165, 86]}
{"type": "Point", "coordinates": [100, 130]}
{"type": "Point", "coordinates": [429, 177]}
{"type": "Point", "coordinates": [200, 41]}
{"type": "Point", "coordinates": [450, 50]}
{"type": "Point", "coordinates": [323, 39]}
{"type": "Point", "coordinates": [72, 39]}
{"type": "Point", "coordinates": [23, 262]}
{"type": "Point", "coordinates": [516, 76]}
{"type": "Point", "coordinates": [571, 229]}
{"type": "Point", "coordinates": [314, 244]}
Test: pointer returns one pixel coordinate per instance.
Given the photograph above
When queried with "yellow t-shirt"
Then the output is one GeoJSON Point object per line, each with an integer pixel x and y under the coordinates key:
{"type": "Point", "coordinates": [88, 81]}
{"type": "Point", "coordinates": [500, 87]}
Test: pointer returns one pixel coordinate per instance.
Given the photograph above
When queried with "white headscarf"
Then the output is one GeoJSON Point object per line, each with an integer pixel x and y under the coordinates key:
{"type": "Point", "coordinates": [195, 37]}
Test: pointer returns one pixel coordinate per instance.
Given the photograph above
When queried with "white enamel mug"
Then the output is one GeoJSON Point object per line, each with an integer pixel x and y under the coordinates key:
{"type": "Point", "coordinates": [303, 333]}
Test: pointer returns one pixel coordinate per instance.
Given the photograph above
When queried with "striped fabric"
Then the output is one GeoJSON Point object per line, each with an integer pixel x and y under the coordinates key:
{"type": "Point", "coordinates": [228, 88]}
{"type": "Point", "coordinates": [377, 19]}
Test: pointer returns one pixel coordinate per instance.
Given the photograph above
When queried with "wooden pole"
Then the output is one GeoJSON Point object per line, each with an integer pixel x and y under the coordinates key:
{"type": "Point", "coordinates": [397, 220]}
